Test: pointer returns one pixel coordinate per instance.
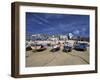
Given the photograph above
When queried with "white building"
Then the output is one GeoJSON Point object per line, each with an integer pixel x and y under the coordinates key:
{"type": "Point", "coordinates": [63, 37]}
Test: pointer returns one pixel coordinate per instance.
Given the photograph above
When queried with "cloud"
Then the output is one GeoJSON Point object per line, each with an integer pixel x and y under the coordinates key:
{"type": "Point", "coordinates": [52, 16]}
{"type": "Point", "coordinates": [76, 32]}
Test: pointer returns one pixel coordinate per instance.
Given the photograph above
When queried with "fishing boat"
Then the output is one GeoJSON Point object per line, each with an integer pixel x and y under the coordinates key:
{"type": "Point", "coordinates": [80, 46]}
{"type": "Point", "coordinates": [28, 47]}
{"type": "Point", "coordinates": [37, 47]}
{"type": "Point", "coordinates": [55, 48]}
{"type": "Point", "coordinates": [42, 47]}
{"type": "Point", "coordinates": [67, 47]}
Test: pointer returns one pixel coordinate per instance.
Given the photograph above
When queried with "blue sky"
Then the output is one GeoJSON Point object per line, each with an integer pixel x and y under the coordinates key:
{"type": "Point", "coordinates": [40, 23]}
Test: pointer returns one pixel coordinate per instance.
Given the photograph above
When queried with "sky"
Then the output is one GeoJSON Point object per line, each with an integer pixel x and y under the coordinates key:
{"type": "Point", "coordinates": [47, 23]}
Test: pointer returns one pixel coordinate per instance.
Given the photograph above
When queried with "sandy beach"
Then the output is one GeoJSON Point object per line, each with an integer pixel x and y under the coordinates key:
{"type": "Point", "coordinates": [58, 58]}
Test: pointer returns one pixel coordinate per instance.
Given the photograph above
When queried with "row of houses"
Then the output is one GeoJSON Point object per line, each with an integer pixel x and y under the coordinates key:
{"type": "Point", "coordinates": [55, 37]}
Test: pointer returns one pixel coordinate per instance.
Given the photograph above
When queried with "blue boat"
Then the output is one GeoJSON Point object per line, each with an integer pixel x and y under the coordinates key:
{"type": "Point", "coordinates": [80, 46]}
{"type": "Point", "coordinates": [67, 47]}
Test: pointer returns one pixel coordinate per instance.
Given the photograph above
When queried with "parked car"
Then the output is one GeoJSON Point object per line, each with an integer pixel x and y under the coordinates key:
{"type": "Point", "coordinates": [80, 46]}
{"type": "Point", "coordinates": [55, 48]}
{"type": "Point", "coordinates": [67, 47]}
